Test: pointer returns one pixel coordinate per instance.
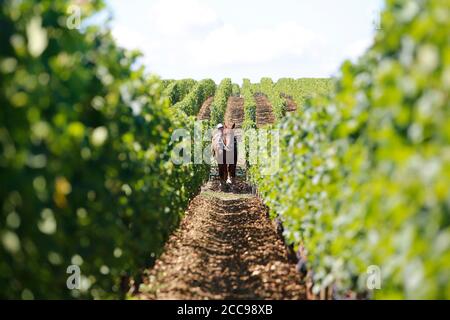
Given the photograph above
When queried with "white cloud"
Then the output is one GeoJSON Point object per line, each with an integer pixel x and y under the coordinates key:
{"type": "Point", "coordinates": [229, 45]}
{"type": "Point", "coordinates": [127, 37]}
{"type": "Point", "coordinates": [328, 64]}
{"type": "Point", "coordinates": [191, 31]}
{"type": "Point", "coordinates": [356, 49]}
{"type": "Point", "coordinates": [195, 38]}
{"type": "Point", "coordinates": [175, 17]}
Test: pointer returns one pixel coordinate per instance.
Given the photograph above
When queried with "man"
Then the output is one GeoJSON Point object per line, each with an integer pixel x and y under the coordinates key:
{"type": "Point", "coordinates": [219, 136]}
{"type": "Point", "coordinates": [219, 149]}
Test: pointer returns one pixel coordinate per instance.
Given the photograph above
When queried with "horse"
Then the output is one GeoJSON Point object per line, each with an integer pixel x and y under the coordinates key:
{"type": "Point", "coordinates": [224, 149]}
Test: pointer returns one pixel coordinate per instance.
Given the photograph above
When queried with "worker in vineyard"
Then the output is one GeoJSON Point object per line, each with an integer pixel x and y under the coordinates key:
{"type": "Point", "coordinates": [219, 149]}
{"type": "Point", "coordinates": [221, 142]}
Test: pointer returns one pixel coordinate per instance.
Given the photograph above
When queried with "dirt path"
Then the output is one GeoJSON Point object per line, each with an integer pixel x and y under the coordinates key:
{"type": "Point", "coordinates": [205, 110]}
{"type": "Point", "coordinates": [235, 112]}
{"type": "Point", "coordinates": [225, 248]}
{"type": "Point", "coordinates": [264, 113]}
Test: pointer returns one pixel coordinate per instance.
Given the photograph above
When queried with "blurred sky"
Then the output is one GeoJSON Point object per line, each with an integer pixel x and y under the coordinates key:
{"type": "Point", "coordinates": [245, 38]}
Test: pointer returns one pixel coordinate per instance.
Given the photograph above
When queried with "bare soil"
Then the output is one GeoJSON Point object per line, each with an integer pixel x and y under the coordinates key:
{"type": "Point", "coordinates": [234, 113]}
{"type": "Point", "coordinates": [264, 112]}
{"type": "Point", "coordinates": [205, 110]}
{"type": "Point", "coordinates": [226, 248]}
{"type": "Point", "coordinates": [291, 106]}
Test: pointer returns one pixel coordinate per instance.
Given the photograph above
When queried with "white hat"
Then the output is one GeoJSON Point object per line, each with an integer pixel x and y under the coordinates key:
{"type": "Point", "coordinates": [219, 126]}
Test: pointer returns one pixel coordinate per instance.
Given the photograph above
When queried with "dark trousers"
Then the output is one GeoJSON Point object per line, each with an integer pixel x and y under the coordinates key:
{"type": "Point", "coordinates": [223, 172]}
{"type": "Point", "coordinates": [232, 166]}
{"type": "Point", "coordinates": [229, 165]}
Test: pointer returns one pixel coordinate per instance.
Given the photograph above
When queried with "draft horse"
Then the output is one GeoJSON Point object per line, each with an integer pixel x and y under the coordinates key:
{"type": "Point", "coordinates": [225, 151]}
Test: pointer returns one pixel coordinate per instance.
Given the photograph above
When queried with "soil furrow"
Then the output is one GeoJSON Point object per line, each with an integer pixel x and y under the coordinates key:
{"type": "Point", "coordinates": [264, 112]}
{"type": "Point", "coordinates": [291, 106]}
{"type": "Point", "coordinates": [205, 110]}
{"type": "Point", "coordinates": [226, 248]}
{"type": "Point", "coordinates": [235, 112]}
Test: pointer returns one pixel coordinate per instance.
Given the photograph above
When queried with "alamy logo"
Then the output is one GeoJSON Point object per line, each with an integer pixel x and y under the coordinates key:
{"type": "Point", "coordinates": [74, 280]}
{"type": "Point", "coordinates": [74, 18]}
{"type": "Point", "coordinates": [376, 20]}
{"type": "Point", "coordinates": [374, 278]}
{"type": "Point", "coordinates": [252, 146]}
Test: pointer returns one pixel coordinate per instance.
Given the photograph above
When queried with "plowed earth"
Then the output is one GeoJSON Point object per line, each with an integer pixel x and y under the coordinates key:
{"type": "Point", "coordinates": [235, 112]}
{"type": "Point", "coordinates": [205, 110]}
{"type": "Point", "coordinates": [264, 113]}
{"type": "Point", "coordinates": [225, 248]}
